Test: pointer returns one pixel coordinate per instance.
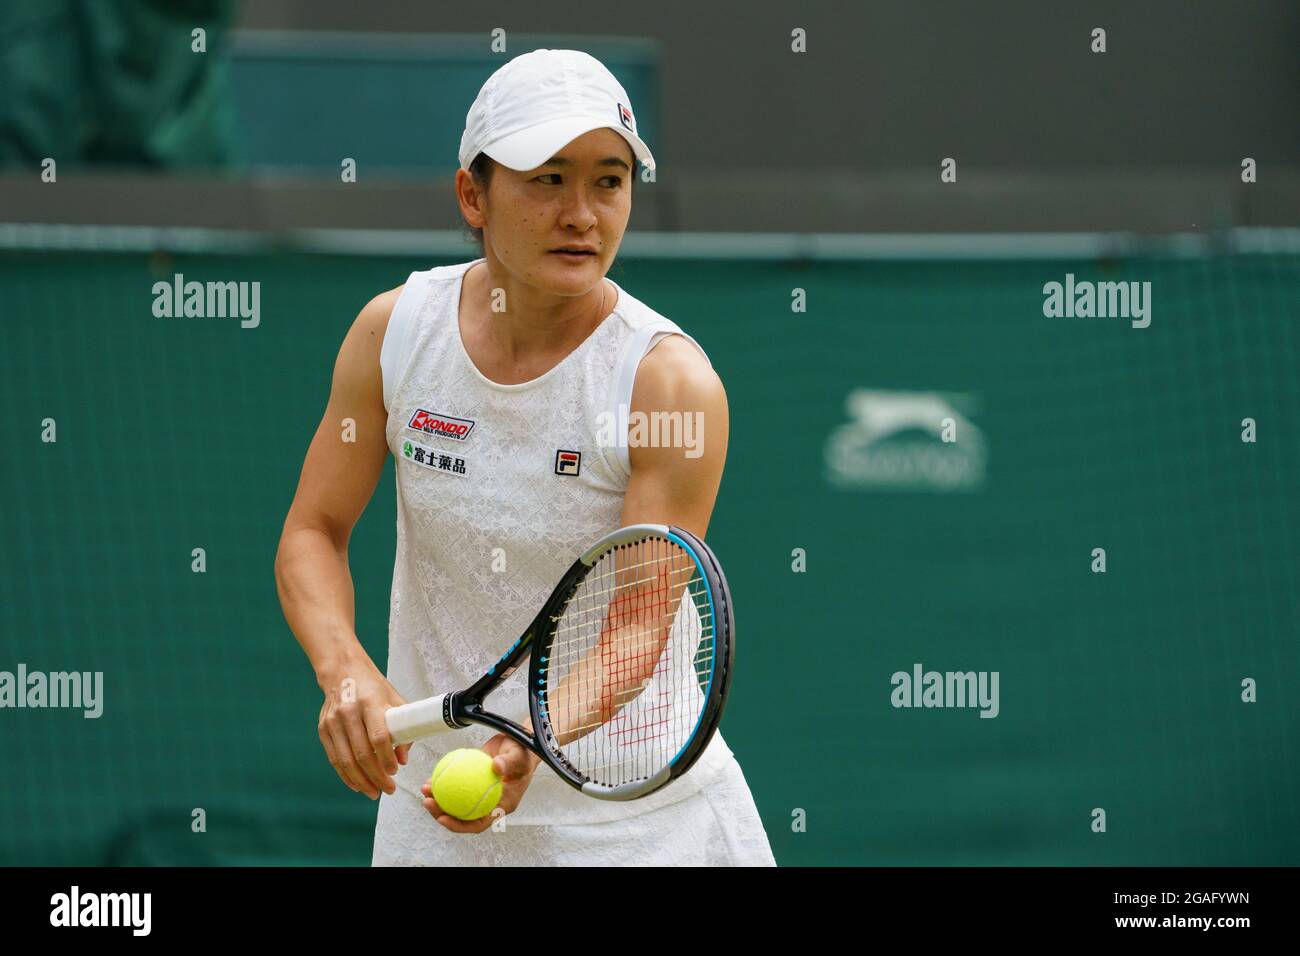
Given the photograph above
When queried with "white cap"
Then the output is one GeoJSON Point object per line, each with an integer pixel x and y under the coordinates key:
{"type": "Point", "coordinates": [539, 102]}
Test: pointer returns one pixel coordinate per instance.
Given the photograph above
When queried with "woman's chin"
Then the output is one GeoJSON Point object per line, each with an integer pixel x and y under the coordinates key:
{"type": "Point", "coordinates": [573, 275]}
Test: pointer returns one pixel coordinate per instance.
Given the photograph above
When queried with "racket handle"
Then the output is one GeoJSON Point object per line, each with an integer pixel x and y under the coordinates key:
{"type": "Point", "coordinates": [422, 718]}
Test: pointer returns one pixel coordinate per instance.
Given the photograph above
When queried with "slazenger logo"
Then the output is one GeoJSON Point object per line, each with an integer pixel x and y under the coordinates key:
{"type": "Point", "coordinates": [906, 441]}
{"type": "Point", "coordinates": [442, 425]}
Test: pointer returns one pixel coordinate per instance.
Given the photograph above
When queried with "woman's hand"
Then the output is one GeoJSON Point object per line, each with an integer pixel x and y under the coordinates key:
{"type": "Point", "coordinates": [353, 730]}
{"type": "Point", "coordinates": [514, 763]}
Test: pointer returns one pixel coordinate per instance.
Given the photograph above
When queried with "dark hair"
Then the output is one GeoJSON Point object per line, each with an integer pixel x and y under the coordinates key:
{"type": "Point", "coordinates": [481, 170]}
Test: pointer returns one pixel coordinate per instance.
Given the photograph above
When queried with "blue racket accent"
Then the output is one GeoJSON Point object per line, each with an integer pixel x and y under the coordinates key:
{"type": "Point", "coordinates": [713, 624]}
{"type": "Point", "coordinates": [509, 650]}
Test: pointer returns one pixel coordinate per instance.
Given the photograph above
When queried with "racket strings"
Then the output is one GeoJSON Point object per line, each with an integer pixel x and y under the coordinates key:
{"type": "Point", "coordinates": [566, 613]}
{"type": "Point", "coordinates": [628, 668]}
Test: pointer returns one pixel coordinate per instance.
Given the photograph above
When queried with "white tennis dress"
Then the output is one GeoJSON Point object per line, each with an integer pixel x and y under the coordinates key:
{"type": "Point", "coordinates": [499, 489]}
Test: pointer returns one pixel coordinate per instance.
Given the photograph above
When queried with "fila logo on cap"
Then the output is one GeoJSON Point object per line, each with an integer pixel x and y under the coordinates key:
{"type": "Point", "coordinates": [567, 462]}
{"type": "Point", "coordinates": [625, 117]}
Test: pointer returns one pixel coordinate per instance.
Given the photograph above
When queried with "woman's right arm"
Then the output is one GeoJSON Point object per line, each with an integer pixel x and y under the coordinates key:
{"type": "Point", "coordinates": [343, 465]}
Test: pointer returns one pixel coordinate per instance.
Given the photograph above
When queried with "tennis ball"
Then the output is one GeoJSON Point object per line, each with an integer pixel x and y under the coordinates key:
{"type": "Point", "coordinates": [465, 785]}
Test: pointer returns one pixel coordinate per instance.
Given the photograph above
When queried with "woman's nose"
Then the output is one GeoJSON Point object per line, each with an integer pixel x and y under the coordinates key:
{"type": "Point", "coordinates": [577, 210]}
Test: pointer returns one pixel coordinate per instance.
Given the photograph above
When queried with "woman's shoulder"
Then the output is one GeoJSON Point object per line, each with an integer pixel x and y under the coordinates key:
{"type": "Point", "coordinates": [397, 305]}
{"type": "Point", "coordinates": [376, 313]}
{"type": "Point", "coordinates": [649, 328]}
{"type": "Point", "coordinates": [636, 315]}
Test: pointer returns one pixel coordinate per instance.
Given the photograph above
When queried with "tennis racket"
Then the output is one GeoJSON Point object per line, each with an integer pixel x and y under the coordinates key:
{"type": "Point", "coordinates": [631, 660]}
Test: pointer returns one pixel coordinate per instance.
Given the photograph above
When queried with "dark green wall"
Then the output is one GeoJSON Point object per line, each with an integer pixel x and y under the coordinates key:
{"type": "Point", "coordinates": [1119, 691]}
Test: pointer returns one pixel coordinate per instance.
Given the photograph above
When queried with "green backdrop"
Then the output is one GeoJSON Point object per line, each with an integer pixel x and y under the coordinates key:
{"type": "Point", "coordinates": [1119, 691]}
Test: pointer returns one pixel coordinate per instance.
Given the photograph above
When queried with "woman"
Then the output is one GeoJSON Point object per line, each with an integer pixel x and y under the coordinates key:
{"type": "Point", "coordinates": [506, 369]}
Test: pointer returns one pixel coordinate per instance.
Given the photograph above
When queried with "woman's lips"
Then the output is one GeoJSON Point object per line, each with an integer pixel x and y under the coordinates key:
{"type": "Point", "coordinates": [575, 256]}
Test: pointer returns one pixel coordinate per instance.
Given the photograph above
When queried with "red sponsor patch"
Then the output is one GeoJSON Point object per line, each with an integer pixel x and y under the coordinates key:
{"type": "Point", "coordinates": [445, 426]}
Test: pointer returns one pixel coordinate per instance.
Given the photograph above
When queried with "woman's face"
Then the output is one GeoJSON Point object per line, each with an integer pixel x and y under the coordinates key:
{"type": "Point", "coordinates": [580, 198]}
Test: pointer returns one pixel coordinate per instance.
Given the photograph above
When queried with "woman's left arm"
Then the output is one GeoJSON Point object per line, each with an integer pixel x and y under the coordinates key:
{"type": "Point", "coordinates": [677, 469]}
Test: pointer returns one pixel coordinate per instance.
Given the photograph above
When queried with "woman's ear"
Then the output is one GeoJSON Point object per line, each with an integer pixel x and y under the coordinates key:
{"type": "Point", "coordinates": [472, 199]}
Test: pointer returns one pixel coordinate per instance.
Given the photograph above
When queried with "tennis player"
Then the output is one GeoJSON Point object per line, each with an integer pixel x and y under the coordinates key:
{"type": "Point", "coordinates": [494, 384]}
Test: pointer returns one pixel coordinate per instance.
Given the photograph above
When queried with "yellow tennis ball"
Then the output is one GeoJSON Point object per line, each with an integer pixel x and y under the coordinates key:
{"type": "Point", "coordinates": [465, 785]}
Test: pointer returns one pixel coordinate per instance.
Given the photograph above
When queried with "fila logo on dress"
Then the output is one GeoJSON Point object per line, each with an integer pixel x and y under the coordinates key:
{"type": "Point", "coordinates": [567, 462]}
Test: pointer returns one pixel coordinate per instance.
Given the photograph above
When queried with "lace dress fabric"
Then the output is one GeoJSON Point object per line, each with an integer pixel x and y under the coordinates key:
{"type": "Point", "coordinates": [480, 545]}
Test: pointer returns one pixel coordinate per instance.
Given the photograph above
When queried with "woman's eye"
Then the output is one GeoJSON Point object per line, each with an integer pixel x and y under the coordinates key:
{"type": "Point", "coordinates": [613, 182]}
